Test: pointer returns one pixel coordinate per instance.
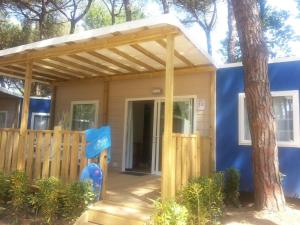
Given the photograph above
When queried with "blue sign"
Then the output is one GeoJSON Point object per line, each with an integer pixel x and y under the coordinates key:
{"type": "Point", "coordinates": [97, 139]}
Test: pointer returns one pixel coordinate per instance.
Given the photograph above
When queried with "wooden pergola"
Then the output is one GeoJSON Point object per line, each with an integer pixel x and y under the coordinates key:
{"type": "Point", "coordinates": [145, 48]}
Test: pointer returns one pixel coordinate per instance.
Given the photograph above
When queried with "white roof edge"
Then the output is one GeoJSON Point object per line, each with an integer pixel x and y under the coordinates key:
{"type": "Point", "coordinates": [41, 98]}
{"type": "Point", "coordinates": [168, 19]}
{"type": "Point", "coordinates": [278, 60]}
{"type": "Point", "coordinates": [8, 92]}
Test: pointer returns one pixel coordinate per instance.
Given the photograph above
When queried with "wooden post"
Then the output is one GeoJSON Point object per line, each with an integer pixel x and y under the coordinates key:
{"type": "Point", "coordinates": [105, 102]}
{"type": "Point", "coordinates": [168, 152]}
{"type": "Point", "coordinates": [24, 116]}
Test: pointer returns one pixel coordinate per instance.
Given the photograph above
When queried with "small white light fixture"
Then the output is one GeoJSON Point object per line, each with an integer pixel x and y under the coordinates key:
{"type": "Point", "coordinates": [156, 91]}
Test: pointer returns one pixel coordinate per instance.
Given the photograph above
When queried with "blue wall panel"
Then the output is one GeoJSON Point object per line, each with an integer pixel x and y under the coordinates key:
{"type": "Point", "coordinates": [283, 76]}
{"type": "Point", "coordinates": [37, 105]}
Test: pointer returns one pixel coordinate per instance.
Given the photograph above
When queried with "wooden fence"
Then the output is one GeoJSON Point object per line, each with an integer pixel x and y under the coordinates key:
{"type": "Point", "coordinates": [46, 153]}
{"type": "Point", "coordinates": [193, 157]}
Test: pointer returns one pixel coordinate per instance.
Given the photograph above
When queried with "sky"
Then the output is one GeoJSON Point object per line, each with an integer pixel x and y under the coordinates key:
{"type": "Point", "coordinates": [219, 33]}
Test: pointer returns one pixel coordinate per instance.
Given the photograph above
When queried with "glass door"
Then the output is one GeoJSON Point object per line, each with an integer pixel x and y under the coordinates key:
{"type": "Point", "coordinates": [183, 122]}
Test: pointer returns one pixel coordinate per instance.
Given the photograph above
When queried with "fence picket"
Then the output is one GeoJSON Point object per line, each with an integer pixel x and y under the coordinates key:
{"type": "Point", "coordinates": [66, 157]}
{"type": "Point", "coordinates": [2, 149]}
{"type": "Point", "coordinates": [74, 157]}
{"type": "Point", "coordinates": [46, 155]}
{"type": "Point", "coordinates": [16, 136]}
{"type": "Point", "coordinates": [9, 152]}
{"type": "Point", "coordinates": [30, 154]}
{"type": "Point", "coordinates": [38, 150]}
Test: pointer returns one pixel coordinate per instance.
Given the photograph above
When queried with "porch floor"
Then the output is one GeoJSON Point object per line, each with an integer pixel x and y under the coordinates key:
{"type": "Point", "coordinates": [132, 190]}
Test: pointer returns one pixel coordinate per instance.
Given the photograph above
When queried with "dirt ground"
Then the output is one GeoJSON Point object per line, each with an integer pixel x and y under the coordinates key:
{"type": "Point", "coordinates": [247, 215]}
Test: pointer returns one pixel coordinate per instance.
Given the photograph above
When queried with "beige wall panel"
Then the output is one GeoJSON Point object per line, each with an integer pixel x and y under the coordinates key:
{"type": "Point", "coordinates": [10, 105]}
{"type": "Point", "coordinates": [77, 91]}
{"type": "Point", "coordinates": [198, 85]}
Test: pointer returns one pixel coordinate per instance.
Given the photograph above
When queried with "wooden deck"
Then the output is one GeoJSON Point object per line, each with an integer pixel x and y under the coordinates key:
{"type": "Point", "coordinates": [129, 200]}
{"type": "Point", "coordinates": [132, 190]}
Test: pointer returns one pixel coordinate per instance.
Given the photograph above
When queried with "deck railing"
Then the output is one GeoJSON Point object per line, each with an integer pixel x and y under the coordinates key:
{"type": "Point", "coordinates": [193, 157]}
{"type": "Point", "coordinates": [58, 153]}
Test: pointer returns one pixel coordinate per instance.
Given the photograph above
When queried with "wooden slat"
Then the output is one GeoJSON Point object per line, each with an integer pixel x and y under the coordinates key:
{"type": "Point", "coordinates": [93, 63]}
{"type": "Point", "coordinates": [38, 153]}
{"type": "Point", "coordinates": [46, 155]}
{"type": "Point", "coordinates": [74, 157]}
{"type": "Point", "coordinates": [199, 155]}
{"type": "Point", "coordinates": [83, 159]}
{"type": "Point", "coordinates": [176, 53]}
{"type": "Point", "coordinates": [2, 149]}
{"type": "Point", "coordinates": [9, 148]}
{"type": "Point", "coordinates": [132, 59]}
{"type": "Point", "coordinates": [148, 54]}
{"type": "Point", "coordinates": [112, 61]}
{"type": "Point", "coordinates": [66, 157]}
{"type": "Point", "coordinates": [56, 150]}
{"type": "Point", "coordinates": [178, 149]}
{"type": "Point", "coordinates": [16, 136]}
{"type": "Point", "coordinates": [184, 161]}
{"type": "Point", "coordinates": [30, 154]}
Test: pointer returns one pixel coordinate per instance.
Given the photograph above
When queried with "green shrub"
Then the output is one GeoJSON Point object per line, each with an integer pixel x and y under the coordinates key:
{"type": "Point", "coordinates": [203, 197]}
{"type": "Point", "coordinates": [19, 191]}
{"type": "Point", "coordinates": [4, 189]}
{"type": "Point", "coordinates": [232, 185]}
{"type": "Point", "coordinates": [45, 200]}
{"type": "Point", "coordinates": [169, 213]}
{"type": "Point", "coordinates": [75, 199]}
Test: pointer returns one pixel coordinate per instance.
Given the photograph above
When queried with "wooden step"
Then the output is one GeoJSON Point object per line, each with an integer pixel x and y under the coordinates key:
{"type": "Point", "coordinates": [111, 213]}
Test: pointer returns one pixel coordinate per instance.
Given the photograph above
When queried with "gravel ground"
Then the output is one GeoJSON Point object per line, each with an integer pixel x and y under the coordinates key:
{"type": "Point", "coordinates": [248, 216]}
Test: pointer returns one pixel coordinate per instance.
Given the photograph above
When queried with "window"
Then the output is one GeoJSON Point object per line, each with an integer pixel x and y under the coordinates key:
{"type": "Point", "coordinates": [84, 114]}
{"type": "Point", "coordinates": [286, 110]}
{"type": "Point", "coordinates": [3, 118]}
{"type": "Point", "coordinates": [40, 121]}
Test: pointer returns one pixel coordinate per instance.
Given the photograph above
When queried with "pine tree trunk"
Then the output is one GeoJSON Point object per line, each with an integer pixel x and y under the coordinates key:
{"type": "Point", "coordinates": [165, 5]}
{"type": "Point", "coordinates": [127, 7]}
{"type": "Point", "coordinates": [267, 183]}
{"type": "Point", "coordinates": [208, 41]}
{"type": "Point", "coordinates": [231, 54]}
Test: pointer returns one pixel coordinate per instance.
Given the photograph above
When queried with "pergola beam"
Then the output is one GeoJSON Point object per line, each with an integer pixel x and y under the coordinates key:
{"type": "Point", "coordinates": [160, 73]}
{"type": "Point", "coordinates": [61, 68]}
{"type": "Point", "coordinates": [20, 75]}
{"type": "Point", "coordinates": [132, 59]}
{"type": "Point", "coordinates": [74, 65]}
{"type": "Point", "coordinates": [148, 54]}
{"type": "Point", "coordinates": [93, 44]}
{"type": "Point", "coordinates": [93, 63]}
{"type": "Point", "coordinates": [176, 53]}
{"type": "Point", "coordinates": [112, 61]}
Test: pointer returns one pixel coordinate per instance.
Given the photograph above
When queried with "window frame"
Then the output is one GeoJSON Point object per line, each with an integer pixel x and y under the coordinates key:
{"type": "Point", "coordinates": [85, 102]}
{"type": "Point", "coordinates": [241, 118]}
{"type": "Point", "coordinates": [5, 122]}
{"type": "Point", "coordinates": [38, 114]}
